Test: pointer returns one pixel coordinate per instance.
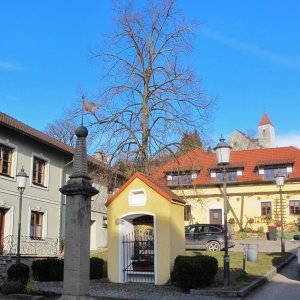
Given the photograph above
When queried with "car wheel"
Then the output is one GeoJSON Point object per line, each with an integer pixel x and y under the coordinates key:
{"type": "Point", "coordinates": [213, 246]}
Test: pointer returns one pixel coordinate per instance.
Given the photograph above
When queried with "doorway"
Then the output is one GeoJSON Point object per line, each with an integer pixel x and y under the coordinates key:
{"type": "Point", "coordinates": [138, 250]}
{"type": "Point", "coordinates": [215, 216]}
{"type": "Point", "coordinates": [2, 223]}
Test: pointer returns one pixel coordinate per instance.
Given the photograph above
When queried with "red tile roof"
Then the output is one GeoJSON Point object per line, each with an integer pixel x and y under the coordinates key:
{"type": "Point", "coordinates": [265, 120]}
{"type": "Point", "coordinates": [24, 129]}
{"type": "Point", "coordinates": [248, 160]}
{"type": "Point", "coordinates": [151, 182]}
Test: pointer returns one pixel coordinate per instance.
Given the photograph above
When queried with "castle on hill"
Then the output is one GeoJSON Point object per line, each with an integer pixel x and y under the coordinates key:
{"type": "Point", "coordinates": [266, 137]}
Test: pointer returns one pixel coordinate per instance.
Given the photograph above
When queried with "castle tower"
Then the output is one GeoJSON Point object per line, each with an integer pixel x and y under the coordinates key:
{"type": "Point", "coordinates": [266, 132]}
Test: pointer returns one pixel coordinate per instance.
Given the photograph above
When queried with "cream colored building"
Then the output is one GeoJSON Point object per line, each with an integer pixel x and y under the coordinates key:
{"type": "Point", "coordinates": [145, 231]}
{"type": "Point", "coordinates": [252, 195]}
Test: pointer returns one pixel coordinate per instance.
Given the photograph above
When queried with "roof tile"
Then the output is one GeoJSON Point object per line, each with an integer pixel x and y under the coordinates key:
{"type": "Point", "coordinates": [16, 125]}
{"type": "Point", "coordinates": [248, 159]}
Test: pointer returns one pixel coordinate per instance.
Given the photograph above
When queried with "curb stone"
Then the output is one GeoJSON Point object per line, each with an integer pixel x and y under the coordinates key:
{"type": "Point", "coordinates": [247, 289]}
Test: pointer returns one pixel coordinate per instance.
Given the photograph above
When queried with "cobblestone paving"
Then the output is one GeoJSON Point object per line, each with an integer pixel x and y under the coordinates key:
{"type": "Point", "coordinates": [130, 291]}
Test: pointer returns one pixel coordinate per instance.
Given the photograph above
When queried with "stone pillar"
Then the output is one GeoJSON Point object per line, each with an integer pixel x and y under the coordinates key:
{"type": "Point", "coordinates": [79, 191]}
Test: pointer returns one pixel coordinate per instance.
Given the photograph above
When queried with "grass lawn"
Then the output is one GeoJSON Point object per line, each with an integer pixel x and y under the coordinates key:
{"type": "Point", "coordinates": [238, 279]}
{"type": "Point", "coordinates": [254, 270]}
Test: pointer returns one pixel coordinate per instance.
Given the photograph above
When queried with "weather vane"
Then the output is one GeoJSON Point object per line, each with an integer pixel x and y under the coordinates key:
{"type": "Point", "coordinates": [82, 109]}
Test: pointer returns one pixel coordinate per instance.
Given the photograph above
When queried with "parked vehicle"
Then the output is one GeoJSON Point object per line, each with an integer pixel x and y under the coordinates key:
{"type": "Point", "coordinates": [206, 236]}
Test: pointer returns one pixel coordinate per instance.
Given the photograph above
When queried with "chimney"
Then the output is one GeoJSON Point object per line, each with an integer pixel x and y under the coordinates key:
{"type": "Point", "coordinates": [101, 156]}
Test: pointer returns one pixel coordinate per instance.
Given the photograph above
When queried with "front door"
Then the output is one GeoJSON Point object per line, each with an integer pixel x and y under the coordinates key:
{"type": "Point", "coordinates": [215, 216]}
{"type": "Point", "coordinates": [2, 222]}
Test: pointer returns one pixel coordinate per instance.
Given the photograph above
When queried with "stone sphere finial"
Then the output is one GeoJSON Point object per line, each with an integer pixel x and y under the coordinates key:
{"type": "Point", "coordinates": [81, 132]}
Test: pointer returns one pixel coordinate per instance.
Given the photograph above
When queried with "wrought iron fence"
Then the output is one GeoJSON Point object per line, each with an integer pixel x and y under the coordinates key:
{"type": "Point", "coordinates": [138, 258]}
{"type": "Point", "coordinates": [29, 246]}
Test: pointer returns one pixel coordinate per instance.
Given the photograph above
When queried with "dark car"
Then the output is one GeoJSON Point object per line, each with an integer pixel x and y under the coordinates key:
{"type": "Point", "coordinates": [206, 236]}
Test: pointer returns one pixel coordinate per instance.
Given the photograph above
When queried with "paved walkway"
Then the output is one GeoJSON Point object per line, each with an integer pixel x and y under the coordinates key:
{"type": "Point", "coordinates": [284, 285]}
{"type": "Point", "coordinates": [265, 245]}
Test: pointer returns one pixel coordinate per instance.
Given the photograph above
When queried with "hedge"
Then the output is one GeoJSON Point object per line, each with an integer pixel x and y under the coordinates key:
{"type": "Point", "coordinates": [194, 271]}
{"type": "Point", "coordinates": [52, 269]}
{"type": "Point", "coordinates": [18, 272]}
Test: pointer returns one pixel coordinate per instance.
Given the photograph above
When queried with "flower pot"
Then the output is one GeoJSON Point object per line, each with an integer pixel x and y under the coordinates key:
{"type": "Point", "coordinates": [138, 268]}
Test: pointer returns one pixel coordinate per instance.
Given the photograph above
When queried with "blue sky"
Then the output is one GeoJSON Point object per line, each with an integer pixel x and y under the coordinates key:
{"type": "Point", "coordinates": [247, 54]}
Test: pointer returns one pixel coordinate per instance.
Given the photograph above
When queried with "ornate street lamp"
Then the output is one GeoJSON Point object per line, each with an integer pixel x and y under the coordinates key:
{"type": "Point", "coordinates": [280, 183]}
{"type": "Point", "coordinates": [223, 157]}
{"type": "Point", "coordinates": [21, 184]}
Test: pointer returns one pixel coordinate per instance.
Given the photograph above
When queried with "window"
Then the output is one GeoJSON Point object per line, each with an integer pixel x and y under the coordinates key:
{"type": "Point", "coordinates": [265, 209]}
{"type": "Point", "coordinates": [36, 225]}
{"type": "Point", "coordinates": [137, 197]}
{"type": "Point", "coordinates": [104, 222]}
{"type": "Point", "coordinates": [187, 212]}
{"type": "Point", "coordinates": [5, 160]}
{"type": "Point", "coordinates": [231, 176]}
{"type": "Point", "coordinates": [295, 207]}
{"type": "Point", "coordinates": [181, 179]}
{"type": "Point", "coordinates": [39, 167]}
{"type": "Point", "coordinates": [270, 173]}
{"type": "Point", "coordinates": [214, 229]}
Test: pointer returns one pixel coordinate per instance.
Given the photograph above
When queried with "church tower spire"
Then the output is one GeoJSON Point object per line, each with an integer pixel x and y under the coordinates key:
{"type": "Point", "coordinates": [266, 132]}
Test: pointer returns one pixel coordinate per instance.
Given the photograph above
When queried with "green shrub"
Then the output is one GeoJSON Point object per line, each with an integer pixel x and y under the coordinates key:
{"type": "Point", "coordinates": [260, 229]}
{"type": "Point", "coordinates": [231, 221]}
{"type": "Point", "coordinates": [52, 269]}
{"type": "Point", "coordinates": [28, 288]}
{"type": "Point", "coordinates": [49, 269]}
{"type": "Point", "coordinates": [18, 272]}
{"type": "Point", "coordinates": [96, 267]}
{"type": "Point", "coordinates": [12, 287]}
{"type": "Point", "coordinates": [194, 271]}
{"type": "Point", "coordinates": [248, 230]}
{"type": "Point", "coordinates": [242, 234]}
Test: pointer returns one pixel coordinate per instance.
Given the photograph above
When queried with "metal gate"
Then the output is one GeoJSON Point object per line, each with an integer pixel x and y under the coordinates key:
{"type": "Point", "coordinates": [138, 257]}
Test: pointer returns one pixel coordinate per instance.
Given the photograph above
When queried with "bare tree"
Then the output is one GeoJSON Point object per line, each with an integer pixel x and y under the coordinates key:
{"type": "Point", "coordinates": [152, 93]}
{"type": "Point", "coordinates": [63, 130]}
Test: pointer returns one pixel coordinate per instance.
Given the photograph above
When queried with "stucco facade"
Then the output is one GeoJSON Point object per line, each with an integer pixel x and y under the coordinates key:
{"type": "Point", "coordinates": [48, 164]}
{"type": "Point", "coordinates": [252, 195]}
{"type": "Point", "coordinates": [244, 203]}
{"type": "Point", "coordinates": [168, 226]}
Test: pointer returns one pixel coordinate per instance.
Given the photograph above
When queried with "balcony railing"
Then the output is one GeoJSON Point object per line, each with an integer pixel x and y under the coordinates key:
{"type": "Point", "coordinates": [29, 246]}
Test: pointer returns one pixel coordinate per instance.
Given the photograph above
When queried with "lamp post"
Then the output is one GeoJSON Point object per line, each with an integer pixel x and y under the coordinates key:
{"type": "Point", "coordinates": [280, 183]}
{"type": "Point", "coordinates": [223, 155]}
{"type": "Point", "coordinates": [21, 184]}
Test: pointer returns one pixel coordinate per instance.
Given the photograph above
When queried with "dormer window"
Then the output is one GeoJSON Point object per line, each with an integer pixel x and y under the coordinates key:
{"type": "Point", "coordinates": [233, 172]}
{"type": "Point", "coordinates": [231, 176]}
{"type": "Point", "coordinates": [183, 178]}
{"type": "Point", "coordinates": [271, 172]}
{"type": "Point", "coordinates": [269, 169]}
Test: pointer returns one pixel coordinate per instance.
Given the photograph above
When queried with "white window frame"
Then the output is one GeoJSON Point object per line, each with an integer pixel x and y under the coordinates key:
{"type": "Point", "coordinates": [289, 207]}
{"type": "Point", "coordinates": [45, 220]}
{"type": "Point", "coordinates": [260, 211]}
{"type": "Point", "coordinates": [47, 171]}
{"type": "Point", "coordinates": [137, 197]}
{"type": "Point", "coordinates": [13, 160]}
